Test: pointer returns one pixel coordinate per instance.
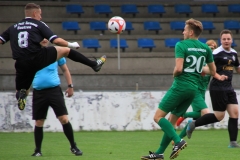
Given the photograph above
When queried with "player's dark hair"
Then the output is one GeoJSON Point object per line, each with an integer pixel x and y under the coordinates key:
{"type": "Point", "coordinates": [30, 6]}
{"type": "Point", "coordinates": [225, 31]}
{"type": "Point", "coordinates": [195, 25]}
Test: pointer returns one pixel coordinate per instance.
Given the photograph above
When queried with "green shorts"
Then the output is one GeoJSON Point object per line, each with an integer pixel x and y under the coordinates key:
{"type": "Point", "coordinates": [198, 102]}
{"type": "Point", "coordinates": [177, 100]}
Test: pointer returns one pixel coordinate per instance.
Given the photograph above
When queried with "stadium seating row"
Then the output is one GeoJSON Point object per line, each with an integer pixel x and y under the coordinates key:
{"type": "Point", "coordinates": [154, 9]}
{"type": "Point", "coordinates": [142, 43]}
{"type": "Point", "coordinates": [150, 26]}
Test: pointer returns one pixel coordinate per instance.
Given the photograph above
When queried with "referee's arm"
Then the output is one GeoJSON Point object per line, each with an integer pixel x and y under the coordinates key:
{"type": "Point", "coordinates": [67, 75]}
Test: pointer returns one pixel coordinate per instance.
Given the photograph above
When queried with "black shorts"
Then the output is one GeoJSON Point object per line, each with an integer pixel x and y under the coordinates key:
{"type": "Point", "coordinates": [220, 99]}
{"type": "Point", "coordinates": [27, 68]}
{"type": "Point", "coordinates": [42, 99]}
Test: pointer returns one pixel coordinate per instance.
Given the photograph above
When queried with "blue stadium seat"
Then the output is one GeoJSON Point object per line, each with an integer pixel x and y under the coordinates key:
{"type": "Point", "coordinates": [203, 40]}
{"type": "Point", "coordinates": [152, 26]}
{"type": "Point", "coordinates": [146, 43]}
{"type": "Point", "coordinates": [234, 8]}
{"type": "Point", "coordinates": [183, 9]}
{"type": "Point", "coordinates": [232, 25]}
{"type": "Point", "coordinates": [233, 43]}
{"type": "Point", "coordinates": [208, 25]}
{"type": "Point", "coordinates": [103, 9]}
{"type": "Point", "coordinates": [171, 42]}
{"type": "Point", "coordinates": [74, 9]}
{"type": "Point", "coordinates": [91, 43]}
{"type": "Point", "coordinates": [210, 8]}
{"type": "Point", "coordinates": [71, 26]}
{"type": "Point", "coordinates": [123, 44]}
{"type": "Point", "coordinates": [177, 25]}
{"type": "Point", "coordinates": [129, 9]}
{"type": "Point", "coordinates": [156, 9]}
{"type": "Point", "coordinates": [98, 26]}
{"type": "Point", "coordinates": [129, 27]}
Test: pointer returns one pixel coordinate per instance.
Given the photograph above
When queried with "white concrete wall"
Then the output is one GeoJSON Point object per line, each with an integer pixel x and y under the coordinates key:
{"type": "Point", "coordinates": [93, 111]}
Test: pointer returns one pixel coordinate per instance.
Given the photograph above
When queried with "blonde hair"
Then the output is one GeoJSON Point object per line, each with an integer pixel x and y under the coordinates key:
{"type": "Point", "coordinates": [195, 25]}
{"type": "Point", "coordinates": [213, 43]}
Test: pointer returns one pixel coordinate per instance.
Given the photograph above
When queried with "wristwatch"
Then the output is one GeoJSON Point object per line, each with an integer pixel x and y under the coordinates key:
{"type": "Point", "coordinates": [70, 86]}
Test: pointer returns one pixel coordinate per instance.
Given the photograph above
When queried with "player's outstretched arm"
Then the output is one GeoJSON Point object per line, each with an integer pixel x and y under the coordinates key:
{"type": "Point", "coordinates": [220, 77]}
{"type": "Point", "coordinates": [44, 43]}
{"type": "Point", "coordinates": [213, 72]}
{"type": "Point", "coordinates": [212, 69]}
{"type": "Point", "coordinates": [64, 43]}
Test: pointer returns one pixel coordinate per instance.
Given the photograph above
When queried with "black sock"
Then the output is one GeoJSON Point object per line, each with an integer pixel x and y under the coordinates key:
{"type": "Point", "coordinates": [68, 131]}
{"type": "Point", "coordinates": [206, 119]}
{"type": "Point", "coordinates": [78, 57]}
{"type": "Point", "coordinates": [38, 136]}
{"type": "Point", "coordinates": [233, 128]}
{"type": "Point", "coordinates": [17, 95]}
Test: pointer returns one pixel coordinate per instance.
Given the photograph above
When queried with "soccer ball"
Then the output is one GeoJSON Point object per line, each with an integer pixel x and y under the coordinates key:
{"type": "Point", "coordinates": [116, 25]}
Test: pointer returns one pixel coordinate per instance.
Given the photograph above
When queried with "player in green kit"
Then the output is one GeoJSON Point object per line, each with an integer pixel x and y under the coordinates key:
{"type": "Point", "coordinates": [190, 55]}
{"type": "Point", "coordinates": [198, 105]}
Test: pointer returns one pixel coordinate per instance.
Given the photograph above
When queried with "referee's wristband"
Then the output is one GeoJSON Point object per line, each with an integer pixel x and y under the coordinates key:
{"type": "Point", "coordinates": [70, 86]}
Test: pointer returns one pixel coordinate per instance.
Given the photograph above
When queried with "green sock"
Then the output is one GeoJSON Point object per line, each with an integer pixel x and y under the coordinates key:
{"type": "Point", "coordinates": [192, 115]}
{"type": "Point", "coordinates": [168, 129]}
{"type": "Point", "coordinates": [163, 145]}
{"type": "Point", "coordinates": [183, 133]}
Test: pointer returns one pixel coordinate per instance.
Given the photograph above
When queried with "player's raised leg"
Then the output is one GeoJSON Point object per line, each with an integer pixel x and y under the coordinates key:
{"type": "Point", "coordinates": [78, 57]}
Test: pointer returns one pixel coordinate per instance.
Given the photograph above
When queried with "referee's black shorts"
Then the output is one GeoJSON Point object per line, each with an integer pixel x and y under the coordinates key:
{"type": "Point", "coordinates": [220, 99]}
{"type": "Point", "coordinates": [42, 99]}
{"type": "Point", "coordinates": [27, 68]}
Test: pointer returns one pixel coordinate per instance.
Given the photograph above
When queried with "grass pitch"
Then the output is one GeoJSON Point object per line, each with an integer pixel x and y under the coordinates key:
{"type": "Point", "coordinates": [128, 145]}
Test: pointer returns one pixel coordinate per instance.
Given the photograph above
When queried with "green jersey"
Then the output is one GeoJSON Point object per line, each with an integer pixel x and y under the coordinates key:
{"type": "Point", "coordinates": [195, 55]}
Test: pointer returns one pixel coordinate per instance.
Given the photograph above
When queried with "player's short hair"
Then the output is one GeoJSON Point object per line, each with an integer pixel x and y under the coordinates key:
{"type": "Point", "coordinates": [195, 25]}
{"type": "Point", "coordinates": [30, 6]}
{"type": "Point", "coordinates": [225, 31]}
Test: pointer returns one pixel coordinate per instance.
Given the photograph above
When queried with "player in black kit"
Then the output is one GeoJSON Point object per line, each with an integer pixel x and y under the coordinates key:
{"type": "Point", "coordinates": [222, 93]}
{"type": "Point", "coordinates": [25, 37]}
